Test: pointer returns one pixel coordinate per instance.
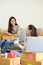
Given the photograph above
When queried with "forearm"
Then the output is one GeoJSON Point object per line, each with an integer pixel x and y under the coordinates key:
{"type": "Point", "coordinates": [7, 33]}
{"type": "Point", "coordinates": [16, 35]}
{"type": "Point", "coordinates": [20, 46]}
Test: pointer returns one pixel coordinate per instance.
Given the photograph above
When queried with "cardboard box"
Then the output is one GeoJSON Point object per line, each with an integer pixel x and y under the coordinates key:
{"type": "Point", "coordinates": [1, 36]}
{"type": "Point", "coordinates": [29, 55]}
{"type": "Point", "coordinates": [28, 62]}
{"type": "Point", "coordinates": [32, 56]}
{"type": "Point", "coordinates": [10, 61]}
{"type": "Point", "coordinates": [2, 56]}
{"type": "Point", "coordinates": [4, 61]}
{"type": "Point", "coordinates": [39, 56]}
{"type": "Point", "coordinates": [41, 33]}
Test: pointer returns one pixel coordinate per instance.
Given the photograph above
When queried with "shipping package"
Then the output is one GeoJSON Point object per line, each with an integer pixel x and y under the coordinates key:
{"type": "Point", "coordinates": [39, 56]}
{"type": "Point", "coordinates": [28, 62]}
{"type": "Point", "coordinates": [1, 36]}
{"type": "Point", "coordinates": [10, 61]}
{"type": "Point", "coordinates": [29, 55]}
{"type": "Point", "coordinates": [32, 56]}
{"type": "Point", "coordinates": [2, 56]}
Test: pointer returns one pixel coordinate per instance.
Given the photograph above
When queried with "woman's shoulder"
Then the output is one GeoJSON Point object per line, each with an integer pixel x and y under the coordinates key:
{"type": "Point", "coordinates": [18, 26]}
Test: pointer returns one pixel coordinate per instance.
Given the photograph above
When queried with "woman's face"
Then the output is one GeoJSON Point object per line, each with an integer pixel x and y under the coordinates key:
{"type": "Point", "coordinates": [28, 32]}
{"type": "Point", "coordinates": [13, 22]}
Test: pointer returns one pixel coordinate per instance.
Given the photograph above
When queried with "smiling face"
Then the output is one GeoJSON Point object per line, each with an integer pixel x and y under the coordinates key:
{"type": "Point", "coordinates": [13, 22]}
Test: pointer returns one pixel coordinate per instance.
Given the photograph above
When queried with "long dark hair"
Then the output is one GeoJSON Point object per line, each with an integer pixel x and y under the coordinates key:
{"type": "Point", "coordinates": [10, 25]}
{"type": "Point", "coordinates": [33, 30]}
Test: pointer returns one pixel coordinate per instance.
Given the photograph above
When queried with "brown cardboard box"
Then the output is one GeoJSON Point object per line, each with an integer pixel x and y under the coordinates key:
{"type": "Point", "coordinates": [1, 31]}
{"type": "Point", "coordinates": [10, 61]}
{"type": "Point", "coordinates": [4, 61]}
{"type": "Point", "coordinates": [28, 62]}
{"type": "Point", "coordinates": [32, 56]}
{"type": "Point", "coordinates": [2, 56]}
{"type": "Point", "coordinates": [41, 33]}
{"type": "Point", "coordinates": [0, 36]}
{"type": "Point", "coordinates": [29, 55]}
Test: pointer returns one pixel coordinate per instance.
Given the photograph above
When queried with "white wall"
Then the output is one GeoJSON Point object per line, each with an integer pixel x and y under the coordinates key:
{"type": "Point", "coordinates": [25, 11]}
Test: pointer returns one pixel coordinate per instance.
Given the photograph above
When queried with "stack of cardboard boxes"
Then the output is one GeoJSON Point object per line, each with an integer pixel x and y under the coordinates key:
{"type": "Point", "coordinates": [9, 61]}
{"type": "Point", "coordinates": [29, 58]}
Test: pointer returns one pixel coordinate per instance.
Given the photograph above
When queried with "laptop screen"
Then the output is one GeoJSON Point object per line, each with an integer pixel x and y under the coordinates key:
{"type": "Point", "coordinates": [34, 44]}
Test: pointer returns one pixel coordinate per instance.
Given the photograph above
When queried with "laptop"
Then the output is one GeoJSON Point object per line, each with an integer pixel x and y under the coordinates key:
{"type": "Point", "coordinates": [34, 44]}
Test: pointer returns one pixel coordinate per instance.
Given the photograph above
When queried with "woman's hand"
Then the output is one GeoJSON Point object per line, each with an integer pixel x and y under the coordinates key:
{"type": "Point", "coordinates": [7, 33]}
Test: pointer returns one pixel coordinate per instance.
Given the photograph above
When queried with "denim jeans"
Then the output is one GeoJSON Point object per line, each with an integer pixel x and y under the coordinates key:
{"type": "Point", "coordinates": [6, 44]}
{"type": "Point", "coordinates": [16, 52]}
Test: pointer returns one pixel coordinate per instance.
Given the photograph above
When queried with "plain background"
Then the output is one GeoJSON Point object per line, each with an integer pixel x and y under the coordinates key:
{"type": "Point", "coordinates": [25, 11]}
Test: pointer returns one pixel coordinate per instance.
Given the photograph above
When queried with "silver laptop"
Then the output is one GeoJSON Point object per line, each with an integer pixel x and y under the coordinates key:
{"type": "Point", "coordinates": [34, 44]}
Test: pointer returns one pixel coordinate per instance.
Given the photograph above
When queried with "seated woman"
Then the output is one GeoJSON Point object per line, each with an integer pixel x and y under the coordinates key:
{"type": "Point", "coordinates": [30, 31]}
{"type": "Point", "coordinates": [13, 28]}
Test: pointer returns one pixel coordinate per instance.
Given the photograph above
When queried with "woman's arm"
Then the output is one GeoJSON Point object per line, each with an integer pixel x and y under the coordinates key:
{"type": "Point", "coordinates": [20, 46]}
{"type": "Point", "coordinates": [7, 33]}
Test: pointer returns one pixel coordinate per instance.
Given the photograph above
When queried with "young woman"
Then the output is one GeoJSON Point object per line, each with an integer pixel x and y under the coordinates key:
{"type": "Point", "coordinates": [13, 28]}
{"type": "Point", "coordinates": [30, 31]}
